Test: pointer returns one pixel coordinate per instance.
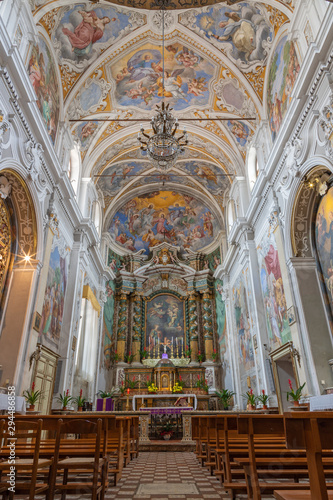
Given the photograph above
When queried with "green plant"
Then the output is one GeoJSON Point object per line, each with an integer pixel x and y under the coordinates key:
{"type": "Point", "coordinates": [250, 397]}
{"type": "Point", "coordinates": [129, 357]}
{"type": "Point", "coordinates": [32, 396]}
{"type": "Point", "coordinates": [263, 398]}
{"type": "Point", "coordinates": [296, 396]}
{"type": "Point", "coordinates": [200, 357]}
{"type": "Point", "coordinates": [225, 397]}
{"type": "Point", "coordinates": [79, 400]}
{"type": "Point", "coordinates": [187, 352]}
{"type": "Point", "coordinates": [201, 383]}
{"type": "Point", "coordinates": [64, 399]}
{"type": "Point", "coordinates": [132, 383]}
{"type": "Point", "coordinates": [214, 355]}
{"type": "Point", "coordinates": [167, 428]}
{"type": "Point", "coordinates": [122, 388]}
{"type": "Point", "coordinates": [144, 354]}
{"type": "Point", "coordinates": [114, 357]}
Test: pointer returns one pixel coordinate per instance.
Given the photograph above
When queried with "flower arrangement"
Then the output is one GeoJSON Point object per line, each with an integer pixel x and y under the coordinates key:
{"type": "Point", "coordinates": [295, 396]}
{"type": "Point", "coordinates": [263, 398]}
{"type": "Point", "coordinates": [177, 388]}
{"type": "Point", "coordinates": [144, 354]}
{"type": "Point", "coordinates": [32, 396]}
{"type": "Point", "coordinates": [65, 399]}
{"type": "Point", "coordinates": [167, 431]}
{"type": "Point", "coordinates": [129, 357]}
{"type": "Point", "coordinates": [214, 355]}
{"type": "Point", "coordinates": [152, 388]}
{"type": "Point", "coordinates": [79, 400]}
{"type": "Point", "coordinates": [200, 357]}
{"type": "Point", "coordinates": [187, 351]}
{"type": "Point", "coordinates": [225, 397]}
{"type": "Point", "coordinates": [131, 384]}
{"type": "Point", "coordinates": [250, 398]}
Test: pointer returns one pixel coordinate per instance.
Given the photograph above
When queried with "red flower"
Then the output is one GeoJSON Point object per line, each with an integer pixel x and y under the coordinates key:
{"type": "Point", "coordinates": [81, 393]}
{"type": "Point", "coordinates": [199, 352]}
{"type": "Point", "coordinates": [198, 376]}
{"type": "Point", "coordinates": [133, 378]}
{"type": "Point", "coordinates": [180, 377]}
{"type": "Point", "coordinates": [205, 381]}
{"type": "Point", "coordinates": [115, 351]}
{"type": "Point", "coordinates": [214, 350]}
{"type": "Point", "coordinates": [33, 386]}
{"type": "Point", "coordinates": [67, 392]}
{"type": "Point", "coordinates": [290, 384]}
{"type": "Point", "coordinates": [263, 391]}
{"type": "Point", "coordinates": [186, 347]}
{"type": "Point", "coordinates": [130, 353]}
{"type": "Point", "coordinates": [122, 383]}
{"type": "Point", "coordinates": [251, 391]}
{"type": "Point", "coordinates": [147, 377]}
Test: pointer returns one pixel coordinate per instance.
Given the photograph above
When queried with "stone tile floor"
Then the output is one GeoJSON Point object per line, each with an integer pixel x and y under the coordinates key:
{"type": "Point", "coordinates": [163, 476]}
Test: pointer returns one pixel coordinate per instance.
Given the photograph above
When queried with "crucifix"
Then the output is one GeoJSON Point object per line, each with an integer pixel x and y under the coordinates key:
{"type": "Point", "coordinates": [166, 343]}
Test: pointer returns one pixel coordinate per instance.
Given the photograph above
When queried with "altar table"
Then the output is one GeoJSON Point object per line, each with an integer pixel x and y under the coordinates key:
{"type": "Point", "coordinates": [19, 403]}
{"type": "Point", "coordinates": [163, 396]}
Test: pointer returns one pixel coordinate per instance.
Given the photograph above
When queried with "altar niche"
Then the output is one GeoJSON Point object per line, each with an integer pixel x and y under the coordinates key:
{"type": "Point", "coordinates": [165, 326]}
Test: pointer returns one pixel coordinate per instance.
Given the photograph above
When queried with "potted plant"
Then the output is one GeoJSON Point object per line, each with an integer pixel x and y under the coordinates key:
{"type": "Point", "coordinates": [144, 354]}
{"type": "Point", "coordinates": [200, 357]}
{"type": "Point", "coordinates": [79, 400]}
{"type": "Point", "coordinates": [131, 384]}
{"type": "Point", "coordinates": [32, 397]}
{"type": "Point", "coordinates": [167, 431]}
{"type": "Point", "coordinates": [214, 355]}
{"type": "Point", "coordinates": [295, 395]}
{"type": "Point", "coordinates": [64, 399]}
{"type": "Point", "coordinates": [263, 398]}
{"type": "Point", "coordinates": [122, 388]}
{"type": "Point", "coordinates": [201, 384]}
{"type": "Point", "coordinates": [129, 357]}
{"type": "Point", "coordinates": [177, 388]}
{"type": "Point", "coordinates": [187, 352]}
{"type": "Point", "coordinates": [250, 399]}
{"type": "Point", "coordinates": [225, 396]}
{"type": "Point", "coordinates": [115, 357]}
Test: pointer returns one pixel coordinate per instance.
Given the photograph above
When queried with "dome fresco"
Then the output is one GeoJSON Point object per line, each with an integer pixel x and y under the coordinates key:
{"type": "Point", "coordinates": [170, 216]}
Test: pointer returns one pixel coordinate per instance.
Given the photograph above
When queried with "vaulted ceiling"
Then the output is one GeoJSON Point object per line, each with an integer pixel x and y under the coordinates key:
{"type": "Point", "coordinates": [110, 64]}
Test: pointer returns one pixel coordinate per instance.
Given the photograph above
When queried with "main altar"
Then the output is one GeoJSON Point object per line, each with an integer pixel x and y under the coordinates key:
{"type": "Point", "coordinates": [163, 305]}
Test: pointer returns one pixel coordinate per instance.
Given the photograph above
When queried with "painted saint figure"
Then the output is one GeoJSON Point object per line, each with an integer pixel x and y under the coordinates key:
{"type": "Point", "coordinates": [87, 32]}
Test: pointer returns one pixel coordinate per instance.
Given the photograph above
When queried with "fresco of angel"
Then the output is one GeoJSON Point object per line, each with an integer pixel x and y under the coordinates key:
{"type": "Point", "coordinates": [197, 86]}
{"type": "Point", "coordinates": [144, 64]}
{"type": "Point", "coordinates": [172, 85]}
{"type": "Point", "coordinates": [188, 58]}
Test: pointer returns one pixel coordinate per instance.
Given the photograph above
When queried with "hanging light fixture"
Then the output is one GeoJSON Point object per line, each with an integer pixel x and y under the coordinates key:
{"type": "Point", "coordinates": [163, 147]}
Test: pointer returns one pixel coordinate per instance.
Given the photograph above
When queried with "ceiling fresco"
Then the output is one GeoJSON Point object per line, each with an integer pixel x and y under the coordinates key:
{"type": "Point", "coordinates": [218, 61]}
{"type": "Point", "coordinates": [170, 216]}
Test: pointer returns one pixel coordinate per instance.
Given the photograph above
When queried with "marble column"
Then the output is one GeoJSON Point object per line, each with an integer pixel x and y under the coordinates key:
{"type": "Point", "coordinates": [193, 321]}
{"type": "Point", "coordinates": [207, 324]}
{"type": "Point", "coordinates": [122, 326]}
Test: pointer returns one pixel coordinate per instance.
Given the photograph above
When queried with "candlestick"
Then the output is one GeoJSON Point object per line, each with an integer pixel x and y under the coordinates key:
{"type": "Point", "coordinates": [182, 347]}
{"type": "Point", "coordinates": [127, 400]}
{"type": "Point", "coordinates": [177, 350]}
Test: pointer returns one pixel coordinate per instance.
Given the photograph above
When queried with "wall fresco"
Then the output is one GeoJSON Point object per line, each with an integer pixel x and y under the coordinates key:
{"type": "Point", "coordinates": [273, 292]}
{"type": "Point", "coordinates": [282, 76]}
{"type": "Point", "coordinates": [324, 242]}
{"type": "Point", "coordinates": [212, 177]}
{"type": "Point", "coordinates": [220, 316]}
{"type": "Point", "coordinates": [139, 77]}
{"type": "Point", "coordinates": [54, 298]}
{"type": "Point", "coordinates": [149, 219]}
{"type": "Point", "coordinates": [115, 177]}
{"type": "Point", "coordinates": [43, 77]}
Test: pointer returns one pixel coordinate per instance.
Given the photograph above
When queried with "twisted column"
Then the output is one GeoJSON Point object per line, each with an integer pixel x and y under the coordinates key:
{"type": "Point", "coordinates": [193, 317]}
{"type": "Point", "coordinates": [136, 329]}
{"type": "Point", "coordinates": [208, 324]}
{"type": "Point", "coordinates": [122, 326]}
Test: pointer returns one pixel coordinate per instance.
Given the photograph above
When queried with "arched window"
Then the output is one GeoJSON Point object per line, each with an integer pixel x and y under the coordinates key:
{"type": "Point", "coordinates": [231, 214]}
{"type": "Point", "coordinates": [252, 167]}
{"type": "Point", "coordinates": [74, 169]}
{"type": "Point", "coordinates": [97, 216]}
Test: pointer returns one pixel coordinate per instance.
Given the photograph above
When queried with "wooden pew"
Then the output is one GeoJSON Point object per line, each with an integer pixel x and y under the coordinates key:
{"type": "Point", "coordinates": [312, 431]}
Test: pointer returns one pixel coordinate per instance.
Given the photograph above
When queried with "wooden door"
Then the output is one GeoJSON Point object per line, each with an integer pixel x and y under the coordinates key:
{"type": "Point", "coordinates": [44, 377]}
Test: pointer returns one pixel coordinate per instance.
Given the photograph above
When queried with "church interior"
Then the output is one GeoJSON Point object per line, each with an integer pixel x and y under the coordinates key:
{"type": "Point", "coordinates": [166, 249]}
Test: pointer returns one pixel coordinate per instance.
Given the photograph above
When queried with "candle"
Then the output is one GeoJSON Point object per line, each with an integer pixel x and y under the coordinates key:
{"type": "Point", "coordinates": [128, 391]}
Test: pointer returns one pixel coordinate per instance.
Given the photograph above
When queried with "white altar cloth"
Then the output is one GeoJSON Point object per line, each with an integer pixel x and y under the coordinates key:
{"type": "Point", "coordinates": [19, 403]}
{"type": "Point", "coordinates": [321, 403]}
{"type": "Point", "coordinates": [161, 396]}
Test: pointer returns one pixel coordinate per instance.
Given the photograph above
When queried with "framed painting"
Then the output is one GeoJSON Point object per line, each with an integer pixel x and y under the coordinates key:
{"type": "Point", "coordinates": [36, 321]}
{"type": "Point", "coordinates": [165, 326]}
